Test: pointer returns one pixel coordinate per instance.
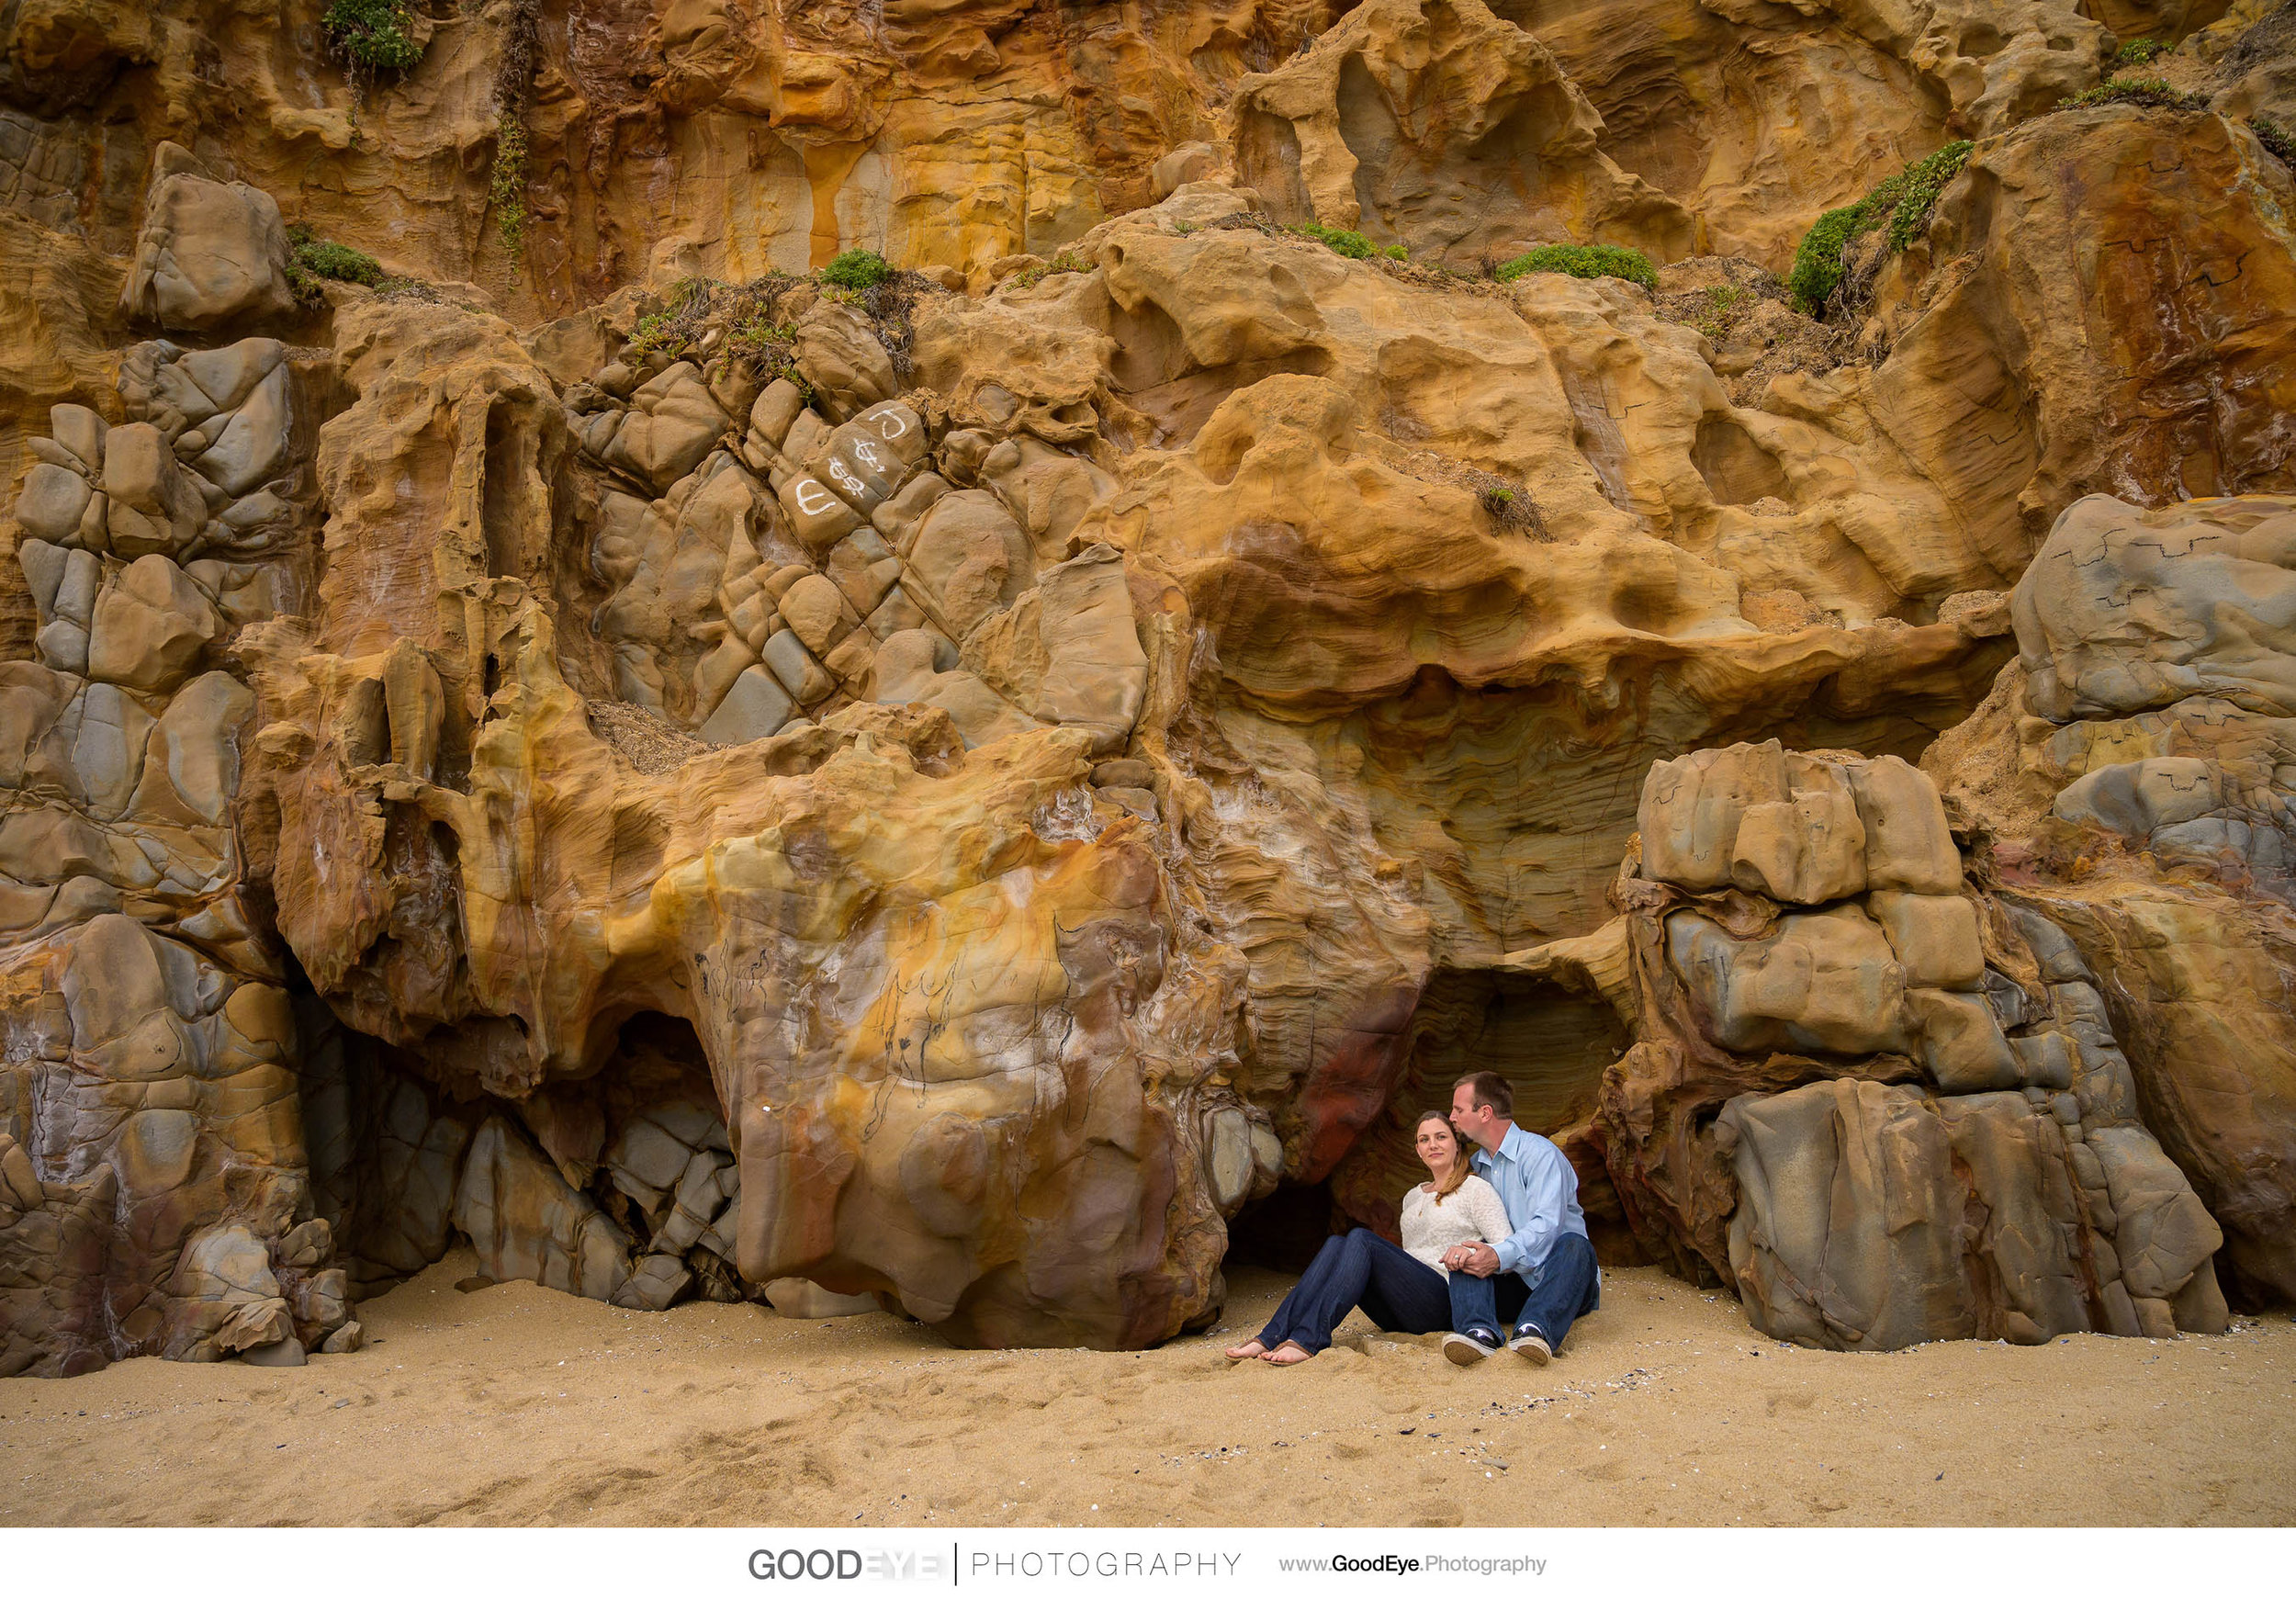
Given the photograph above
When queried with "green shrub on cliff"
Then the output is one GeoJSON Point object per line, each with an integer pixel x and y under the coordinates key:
{"type": "Point", "coordinates": [372, 34]}
{"type": "Point", "coordinates": [1584, 261]}
{"type": "Point", "coordinates": [1915, 196]}
{"type": "Point", "coordinates": [1906, 200]}
{"type": "Point", "coordinates": [1818, 265]}
{"type": "Point", "coordinates": [310, 258]}
{"type": "Point", "coordinates": [1339, 241]}
{"type": "Point", "coordinates": [506, 184]}
{"type": "Point", "coordinates": [857, 269]}
{"type": "Point", "coordinates": [2139, 53]}
{"type": "Point", "coordinates": [1067, 261]}
{"type": "Point", "coordinates": [1353, 245]}
{"type": "Point", "coordinates": [514, 94]}
{"type": "Point", "coordinates": [2276, 139]}
{"type": "Point", "coordinates": [2126, 91]}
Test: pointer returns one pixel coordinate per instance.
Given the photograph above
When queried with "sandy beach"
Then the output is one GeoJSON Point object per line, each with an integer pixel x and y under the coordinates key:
{"type": "Point", "coordinates": [515, 1405]}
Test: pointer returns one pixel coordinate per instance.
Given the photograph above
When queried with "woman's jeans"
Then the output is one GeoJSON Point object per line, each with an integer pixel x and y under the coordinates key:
{"type": "Point", "coordinates": [1400, 1293]}
{"type": "Point", "coordinates": [1566, 1290]}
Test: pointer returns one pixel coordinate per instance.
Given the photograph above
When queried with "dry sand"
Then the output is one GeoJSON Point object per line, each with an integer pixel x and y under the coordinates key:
{"type": "Point", "coordinates": [515, 1404]}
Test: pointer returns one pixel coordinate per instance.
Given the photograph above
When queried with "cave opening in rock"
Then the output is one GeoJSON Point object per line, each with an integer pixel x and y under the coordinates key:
{"type": "Point", "coordinates": [619, 1185]}
{"type": "Point", "coordinates": [1552, 1045]}
{"type": "Point", "coordinates": [1282, 1232]}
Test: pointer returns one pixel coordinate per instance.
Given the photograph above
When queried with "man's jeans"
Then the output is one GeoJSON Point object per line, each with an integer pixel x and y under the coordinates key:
{"type": "Point", "coordinates": [1400, 1293]}
{"type": "Point", "coordinates": [1500, 1303]}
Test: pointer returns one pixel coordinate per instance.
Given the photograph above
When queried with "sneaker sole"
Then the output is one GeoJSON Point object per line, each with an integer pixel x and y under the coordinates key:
{"type": "Point", "coordinates": [1466, 1352]}
{"type": "Point", "coordinates": [1536, 1354]}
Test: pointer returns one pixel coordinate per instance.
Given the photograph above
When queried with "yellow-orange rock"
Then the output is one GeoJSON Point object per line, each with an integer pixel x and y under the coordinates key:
{"type": "Point", "coordinates": [995, 788]}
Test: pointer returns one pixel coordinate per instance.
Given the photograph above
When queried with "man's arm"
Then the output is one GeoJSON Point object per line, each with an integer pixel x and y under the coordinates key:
{"type": "Point", "coordinates": [1488, 1212]}
{"type": "Point", "coordinates": [1545, 1174]}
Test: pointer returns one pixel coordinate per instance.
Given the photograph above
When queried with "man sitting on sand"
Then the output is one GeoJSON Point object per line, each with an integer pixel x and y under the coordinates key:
{"type": "Point", "coordinates": [1542, 1276]}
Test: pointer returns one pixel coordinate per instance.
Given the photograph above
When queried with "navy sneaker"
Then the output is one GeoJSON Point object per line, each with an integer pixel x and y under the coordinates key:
{"type": "Point", "coordinates": [1470, 1349]}
{"type": "Point", "coordinates": [1528, 1343]}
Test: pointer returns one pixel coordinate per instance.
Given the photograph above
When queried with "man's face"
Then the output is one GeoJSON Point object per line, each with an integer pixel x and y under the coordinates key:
{"type": "Point", "coordinates": [1473, 1121]}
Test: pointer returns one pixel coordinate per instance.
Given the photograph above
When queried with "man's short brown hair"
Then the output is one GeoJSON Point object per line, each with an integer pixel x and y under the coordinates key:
{"type": "Point", "coordinates": [1490, 1089]}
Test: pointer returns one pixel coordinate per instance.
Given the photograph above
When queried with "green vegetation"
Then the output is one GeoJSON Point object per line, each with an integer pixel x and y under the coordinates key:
{"type": "Point", "coordinates": [1339, 241]}
{"type": "Point", "coordinates": [2276, 138]}
{"type": "Point", "coordinates": [1906, 200]}
{"type": "Point", "coordinates": [1067, 261]}
{"type": "Point", "coordinates": [1721, 300]}
{"type": "Point", "coordinates": [2153, 91]}
{"type": "Point", "coordinates": [1506, 504]}
{"type": "Point", "coordinates": [1353, 245]}
{"type": "Point", "coordinates": [513, 91]}
{"type": "Point", "coordinates": [749, 314]}
{"type": "Point", "coordinates": [676, 324]}
{"type": "Point", "coordinates": [310, 259]}
{"type": "Point", "coordinates": [1818, 266]}
{"type": "Point", "coordinates": [1584, 261]}
{"type": "Point", "coordinates": [1918, 186]}
{"type": "Point", "coordinates": [2139, 53]}
{"type": "Point", "coordinates": [856, 270]}
{"type": "Point", "coordinates": [723, 326]}
{"type": "Point", "coordinates": [372, 36]}
{"type": "Point", "coordinates": [763, 333]}
{"type": "Point", "coordinates": [506, 185]}
{"type": "Point", "coordinates": [775, 343]}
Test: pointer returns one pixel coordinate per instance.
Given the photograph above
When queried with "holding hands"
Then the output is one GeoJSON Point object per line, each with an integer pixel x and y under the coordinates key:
{"type": "Point", "coordinates": [1475, 1259]}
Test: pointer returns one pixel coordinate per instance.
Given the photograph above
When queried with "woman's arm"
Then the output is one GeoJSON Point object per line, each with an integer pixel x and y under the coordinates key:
{"type": "Point", "coordinates": [1408, 1223]}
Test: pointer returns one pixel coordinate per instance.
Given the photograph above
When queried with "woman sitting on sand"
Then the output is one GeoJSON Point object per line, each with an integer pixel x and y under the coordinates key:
{"type": "Point", "coordinates": [1405, 1290]}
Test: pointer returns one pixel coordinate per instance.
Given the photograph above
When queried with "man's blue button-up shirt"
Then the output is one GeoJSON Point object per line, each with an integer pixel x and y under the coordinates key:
{"type": "Point", "coordinates": [1541, 1194]}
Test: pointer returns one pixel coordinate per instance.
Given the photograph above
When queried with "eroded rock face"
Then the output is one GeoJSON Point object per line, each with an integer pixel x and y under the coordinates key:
{"type": "Point", "coordinates": [159, 1095]}
{"type": "Point", "coordinates": [209, 252]}
{"type": "Point", "coordinates": [1884, 1105]}
{"type": "Point", "coordinates": [950, 793]}
{"type": "Point", "coordinates": [152, 1108]}
{"type": "Point", "coordinates": [2132, 767]}
{"type": "Point", "coordinates": [1411, 118]}
{"type": "Point", "coordinates": [2062, 308]}
{"type": "Point", "coordinates": [966, 134]}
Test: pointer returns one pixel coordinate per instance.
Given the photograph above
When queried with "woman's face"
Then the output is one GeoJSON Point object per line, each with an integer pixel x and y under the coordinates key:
{"type": "Point", "coordinates": [1438, 1146]}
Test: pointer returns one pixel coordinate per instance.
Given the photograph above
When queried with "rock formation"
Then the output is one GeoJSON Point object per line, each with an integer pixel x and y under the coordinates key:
{"type": "Point", "coordinates": [1886, 1106]}
{"type": "Point", "coordinates": [702, 767]}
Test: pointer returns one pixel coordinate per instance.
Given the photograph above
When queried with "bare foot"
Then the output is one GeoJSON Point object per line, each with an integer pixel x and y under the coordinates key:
{"type": "Point", "coordinates": [1254, 1350]}
{"type": "Point", "coordinates": [1287, 1354]}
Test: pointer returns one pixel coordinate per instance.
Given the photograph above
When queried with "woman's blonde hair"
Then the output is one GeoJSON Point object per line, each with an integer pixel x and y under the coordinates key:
{"type": "Point", "coordinates": [1459, 1170]}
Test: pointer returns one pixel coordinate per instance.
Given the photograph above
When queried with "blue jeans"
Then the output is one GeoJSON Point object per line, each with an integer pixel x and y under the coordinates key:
{"type": "Point", "coordinates": [1566, 1290]}
{"type": "Point", "coordinates": [1400, 1293]}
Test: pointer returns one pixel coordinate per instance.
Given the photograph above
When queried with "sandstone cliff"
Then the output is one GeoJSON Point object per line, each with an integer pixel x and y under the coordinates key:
{"type": "Point", "coordinates": [535, 712]}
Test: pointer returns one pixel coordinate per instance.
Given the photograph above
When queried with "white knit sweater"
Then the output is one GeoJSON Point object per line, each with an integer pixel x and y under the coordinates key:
{"type": "Point", "coordinates": [1472, 1214]}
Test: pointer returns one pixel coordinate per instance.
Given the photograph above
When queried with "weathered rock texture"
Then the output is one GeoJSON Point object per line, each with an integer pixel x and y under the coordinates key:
{"type": "Point", "coordinates": [1885, 1106]}
{"type": "Point", "coordinates": [2133, 766]}
{"type": "Point", "coordinates": [980, 790]}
